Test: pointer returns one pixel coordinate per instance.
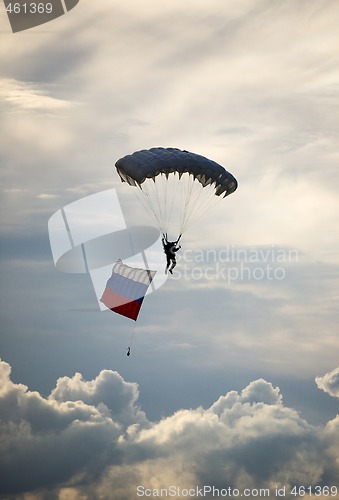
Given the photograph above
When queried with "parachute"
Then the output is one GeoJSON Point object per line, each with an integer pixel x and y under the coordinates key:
{"type": "Point", "coordinates": [126, 288]}
{"type": "Point", "coordinates": [176, 187]}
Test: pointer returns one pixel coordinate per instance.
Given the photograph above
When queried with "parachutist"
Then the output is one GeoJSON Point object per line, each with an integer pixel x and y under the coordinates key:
{"type": "Point", "coordinates": [170, 248]}
{"type": "Point", "coordinates": [128, 351]}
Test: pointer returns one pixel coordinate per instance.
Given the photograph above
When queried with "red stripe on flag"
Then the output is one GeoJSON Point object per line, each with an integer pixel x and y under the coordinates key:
{"type": "Point", "coordinates": [121, 304]}
{"type": "Point", "coordinates": [131, 310]}
{"type": "Point", "coordinates": [113, 299]}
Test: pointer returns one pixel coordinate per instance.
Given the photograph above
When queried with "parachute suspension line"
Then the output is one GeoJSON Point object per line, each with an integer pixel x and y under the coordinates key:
{"type": "Point", "coordinates": [195, 207]}
{"type": "Point", "coordinates": [210, 200]}
{"type": "Point", "coordinates": [175, 202]}
{"type": "Point", "coordinates": [161, 188]}
{"type": "Point", "coordinates": [144, 197]}
{"type": "Point", "coordinates": [163, 194]}
{"type": "Point", "coordinates": [201, 199]}
{"type": "Point", "coordinates": [176, 182]}
{"type": "Point", "coordinates": [147, 205]}
{"type": "Point", "coordinates": [181, 193]}
{"type": "Point", "coordinates": [158, 196]}
{"type": "Point", "coordinates": [148, 189]}
{"type": "Point", "coordinates": [187, 189]}
{"type": "Point", "coordinates": [149, 194]}
{"type": "Point", "coordinates": [165, 199]}
{"type": "Point", "coordinates": [172, 186]}
{"type": "Point", "coordinates": [129, 347]}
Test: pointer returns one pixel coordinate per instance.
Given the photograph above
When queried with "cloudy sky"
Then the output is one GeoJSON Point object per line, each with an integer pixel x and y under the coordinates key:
{"type": "Point", "coordinates": [233, 381]}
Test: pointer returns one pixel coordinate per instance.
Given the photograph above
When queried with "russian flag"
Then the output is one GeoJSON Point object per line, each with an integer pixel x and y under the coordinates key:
{"type": "Point", "coordinates": [126, 288]}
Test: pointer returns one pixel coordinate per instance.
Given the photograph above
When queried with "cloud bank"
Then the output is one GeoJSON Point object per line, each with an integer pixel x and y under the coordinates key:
{"type": "Point", "coordinates": [90, 439]}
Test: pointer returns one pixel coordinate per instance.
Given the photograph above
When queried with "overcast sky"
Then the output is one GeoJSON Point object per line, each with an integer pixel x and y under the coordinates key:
{"type": "Point", "coordinates": [233, 379]}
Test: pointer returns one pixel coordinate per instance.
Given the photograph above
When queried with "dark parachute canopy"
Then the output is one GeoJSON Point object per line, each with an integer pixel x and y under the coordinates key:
{"type": "Point", "coordinates": [176, 186]}
{"type": "Point", "coordinates": [145, 164]}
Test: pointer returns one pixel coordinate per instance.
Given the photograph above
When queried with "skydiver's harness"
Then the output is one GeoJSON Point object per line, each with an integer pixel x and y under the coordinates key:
{"type": "Point", "coordinates": [168, 246]}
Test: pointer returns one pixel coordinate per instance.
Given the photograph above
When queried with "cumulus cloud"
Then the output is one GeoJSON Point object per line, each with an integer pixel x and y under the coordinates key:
{"type": "Point", "coordinates": [72, 433]}
{"type": "Point", "coordinates": [329, 382]}
{"type": "Point", "coordinates": [90, 439]}
{"type": "Point", "coordinates": [109, 389]}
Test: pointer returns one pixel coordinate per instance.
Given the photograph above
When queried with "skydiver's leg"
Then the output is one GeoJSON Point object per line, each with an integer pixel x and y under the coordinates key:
{"type": "Point", "coordinates": [174, 263]}
{"type": "Point", "coordinates": [168, 264]}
